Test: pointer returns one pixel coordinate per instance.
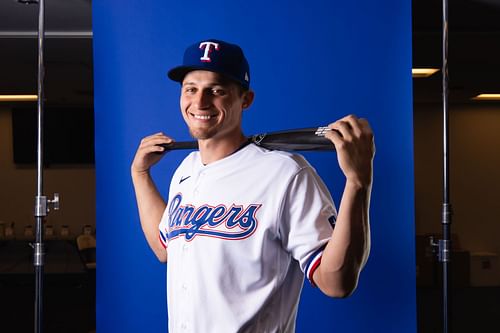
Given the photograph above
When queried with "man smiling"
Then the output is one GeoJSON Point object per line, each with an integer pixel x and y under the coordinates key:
{"type": "Point", "coordinates": [243, 225]}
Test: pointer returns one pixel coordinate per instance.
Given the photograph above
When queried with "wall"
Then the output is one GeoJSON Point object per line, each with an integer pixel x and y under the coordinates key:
{"type": "Point", "coordinates": [312, 63]}
{"type": "Point", "coordinates": [474, 177]}
{"type": "Point", "coordinates": [75, 184]}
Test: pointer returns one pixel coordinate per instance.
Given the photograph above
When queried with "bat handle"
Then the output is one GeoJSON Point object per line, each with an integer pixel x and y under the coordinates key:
{"type": "Point", "coordinates": [176, 145]}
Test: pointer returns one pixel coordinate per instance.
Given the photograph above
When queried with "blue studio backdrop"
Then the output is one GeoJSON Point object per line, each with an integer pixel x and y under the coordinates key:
{"type": "Point", "coordinates": [312, 62]}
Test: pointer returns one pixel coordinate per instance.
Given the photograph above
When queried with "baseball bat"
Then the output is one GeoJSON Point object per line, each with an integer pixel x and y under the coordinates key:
{"type": "Point", "coordinates": [303, 139]}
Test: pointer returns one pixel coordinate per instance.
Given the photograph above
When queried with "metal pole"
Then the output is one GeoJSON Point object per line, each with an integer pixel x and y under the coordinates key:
{"type": "Point", "coordinates": [445, 243]}
{"type": "Point", "coordinates": [40, 200]}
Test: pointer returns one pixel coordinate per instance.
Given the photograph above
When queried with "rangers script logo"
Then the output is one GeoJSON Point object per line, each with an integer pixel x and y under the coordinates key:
{"type": "Point", "coordinates": [235, 222]}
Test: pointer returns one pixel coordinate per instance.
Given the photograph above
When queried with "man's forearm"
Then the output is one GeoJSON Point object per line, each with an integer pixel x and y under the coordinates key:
{"type": "Point", "coordinates": [348, 249]}
{"type": "Point", "coordinates": [151, 207]}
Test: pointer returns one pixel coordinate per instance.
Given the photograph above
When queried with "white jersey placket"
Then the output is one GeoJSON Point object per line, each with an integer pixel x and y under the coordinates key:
{"type": "Point", "coordinates": [187, 253]}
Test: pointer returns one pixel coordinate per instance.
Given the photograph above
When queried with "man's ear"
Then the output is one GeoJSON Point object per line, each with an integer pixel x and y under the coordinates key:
{"type": "Point", "coordinates": [248, 99]}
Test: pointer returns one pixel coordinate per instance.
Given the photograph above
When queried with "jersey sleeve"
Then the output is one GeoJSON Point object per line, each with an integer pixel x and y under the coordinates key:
{"type": "Point", "coordinates": [163, 237]}
{"type": "Point", "coordinates": [308, 218]}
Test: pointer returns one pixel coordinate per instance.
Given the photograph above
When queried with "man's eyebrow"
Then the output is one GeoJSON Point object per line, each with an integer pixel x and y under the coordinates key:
{"type": "Point", "coordinates": [210, 84]}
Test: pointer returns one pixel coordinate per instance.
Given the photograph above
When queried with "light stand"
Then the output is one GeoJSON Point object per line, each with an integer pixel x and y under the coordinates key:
{"type": "Point", "coordinates": [41, 201]}
{"type": "Point", "coordinates": [444, 245]}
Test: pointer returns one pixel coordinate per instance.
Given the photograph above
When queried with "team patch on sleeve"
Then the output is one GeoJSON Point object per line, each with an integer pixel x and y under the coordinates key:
{"type": "Point", "coordinates": [332, 219]}
{"type": "Point", "coordinates": [313, 264]}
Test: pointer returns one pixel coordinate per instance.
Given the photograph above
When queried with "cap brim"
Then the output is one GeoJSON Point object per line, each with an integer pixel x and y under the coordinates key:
{"type": "Point", "coordinates": [178, 73]}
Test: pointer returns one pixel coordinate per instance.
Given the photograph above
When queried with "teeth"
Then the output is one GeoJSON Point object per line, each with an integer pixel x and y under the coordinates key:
{"type": "Point", "coordinates": [201, 117]}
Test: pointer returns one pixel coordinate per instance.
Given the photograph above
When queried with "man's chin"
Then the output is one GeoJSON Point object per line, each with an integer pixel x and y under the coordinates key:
{"type": "Point", "coordinates": [200, 135]}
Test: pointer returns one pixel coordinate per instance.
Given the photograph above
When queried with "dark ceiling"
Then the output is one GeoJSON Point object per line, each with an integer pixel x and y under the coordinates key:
{"type": "Point", "coordinates": [67, 55]}
{"type": "Point", "coordinates": [474, 49]}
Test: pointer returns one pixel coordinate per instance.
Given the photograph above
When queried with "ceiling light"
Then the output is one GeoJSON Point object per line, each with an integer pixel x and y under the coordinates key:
{"type": "Point", "coordinates": [18, 98]}
{"type": "Point", "coordinates": [423, 72]}
{"type": "Point", "coordinates": [487, 97]}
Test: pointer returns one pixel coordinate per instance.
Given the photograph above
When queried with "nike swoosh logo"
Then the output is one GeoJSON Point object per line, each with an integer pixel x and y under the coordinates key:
{"type": "Point", "coordinates": [184, 178]}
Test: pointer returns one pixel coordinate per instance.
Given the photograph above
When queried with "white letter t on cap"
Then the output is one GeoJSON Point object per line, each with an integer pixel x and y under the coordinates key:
{"type": "Point", "coordinates": [207, 46]}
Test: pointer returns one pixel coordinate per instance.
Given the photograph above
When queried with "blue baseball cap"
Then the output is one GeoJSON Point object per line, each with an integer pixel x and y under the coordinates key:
{"type": "Point", "coordinates": [215, 56]}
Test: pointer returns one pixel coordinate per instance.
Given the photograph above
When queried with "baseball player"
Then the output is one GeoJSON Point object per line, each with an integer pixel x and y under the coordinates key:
{"type": "Point", "coordinates": [243, 225]}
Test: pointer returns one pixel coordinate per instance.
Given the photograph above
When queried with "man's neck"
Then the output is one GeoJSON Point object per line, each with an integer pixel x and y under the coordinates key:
{"type": "Point", "coordinates": [215, 149]}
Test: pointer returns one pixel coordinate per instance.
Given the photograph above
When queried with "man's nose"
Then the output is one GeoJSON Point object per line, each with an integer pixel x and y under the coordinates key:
{"type": "Point", "coordinates": [203, 100]}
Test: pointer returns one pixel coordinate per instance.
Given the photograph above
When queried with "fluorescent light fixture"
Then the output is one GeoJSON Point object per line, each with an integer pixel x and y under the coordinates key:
{"type": "Point", "coordinates": [487, 97]}
{"type": "Point", "coordinates": [18, 98]}
{"type": "Point", "coordinates": [423, 72]}
{"type": "Point", "coordinates": [48, 34]}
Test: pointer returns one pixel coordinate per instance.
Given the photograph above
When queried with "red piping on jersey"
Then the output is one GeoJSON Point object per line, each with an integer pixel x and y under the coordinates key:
{"type": "Point", "coordinates": [315, 265]}
{"type": "Point", "coordinates": [161, 242]}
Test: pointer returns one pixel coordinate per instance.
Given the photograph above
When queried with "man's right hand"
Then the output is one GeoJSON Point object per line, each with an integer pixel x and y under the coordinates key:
{"type": "Point", "coordinates": [149, 153]}
{"type": "Point", "coordinates": [149, 201]}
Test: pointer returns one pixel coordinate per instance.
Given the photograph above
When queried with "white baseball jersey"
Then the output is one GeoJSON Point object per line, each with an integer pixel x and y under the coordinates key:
{"type": "Point", "coordinates": [241, 233]}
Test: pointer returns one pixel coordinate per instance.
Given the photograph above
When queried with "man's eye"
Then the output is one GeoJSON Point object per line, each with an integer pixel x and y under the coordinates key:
{"type": "Point", "coordinates": [189, 90]}
{"type": "Point", "coordinates": [218, 91]}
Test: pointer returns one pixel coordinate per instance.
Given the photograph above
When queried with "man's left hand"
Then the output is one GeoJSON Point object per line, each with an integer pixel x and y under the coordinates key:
{"type": "Point", "coordinates": [355, 146]}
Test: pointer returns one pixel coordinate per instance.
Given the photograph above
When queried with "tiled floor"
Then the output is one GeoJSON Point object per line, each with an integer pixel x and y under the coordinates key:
{"type": "Point", "coordinates": [473, 310]}
{"type": "Point", "coordinates": [68, 289]}
{"type": "Point", "coordinates": [70, 306]}
{"type": "Point", "coordinates": [69, 303]}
